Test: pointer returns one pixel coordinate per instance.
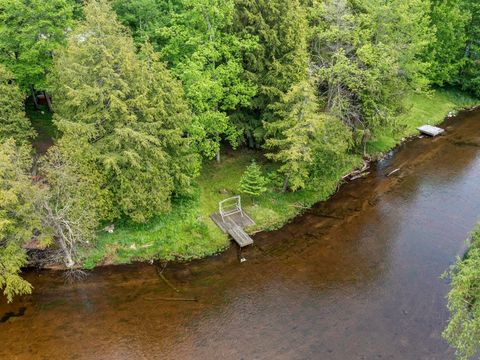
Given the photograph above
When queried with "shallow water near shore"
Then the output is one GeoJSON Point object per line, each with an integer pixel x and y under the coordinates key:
{"type": "Point", "coordinates": [356, 277]}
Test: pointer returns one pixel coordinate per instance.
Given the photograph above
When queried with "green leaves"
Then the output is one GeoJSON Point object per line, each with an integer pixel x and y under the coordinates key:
{"type": "Point", "coordinates": [12, 259]}
{"type": "Point", "coordinates": [463, 331]}
{"type": "Point", "coordinates": [30, 33]}
{"type": "Point", "coordinates": [19, 218]}
{"type": "Point", "coordinates": [292, 135]}
{"type": "Point", "coordinates": [278, 62]}
{"type": "Point", "coordinates": [367, 56]}
{"type": "Point", "coordinates": [127, 112]}
{"type": "Point", "coordinates": [13, 122]}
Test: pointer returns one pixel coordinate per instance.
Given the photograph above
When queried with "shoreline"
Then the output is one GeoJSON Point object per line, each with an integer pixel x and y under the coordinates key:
{"type": "Point", "coordinates": [352, 175]}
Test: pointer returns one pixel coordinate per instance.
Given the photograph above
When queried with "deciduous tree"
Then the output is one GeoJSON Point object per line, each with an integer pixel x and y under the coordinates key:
{"type": "Point", "coordinates": [450, 19]}
{"type": "Point", "coordinates": [30, 33]}
{"type": "Point", "coordinates": [207, 56]}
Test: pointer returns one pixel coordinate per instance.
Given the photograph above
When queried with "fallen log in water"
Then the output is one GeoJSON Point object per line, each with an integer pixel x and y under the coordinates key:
{"type": "Point", "coordinates": [392, 172]}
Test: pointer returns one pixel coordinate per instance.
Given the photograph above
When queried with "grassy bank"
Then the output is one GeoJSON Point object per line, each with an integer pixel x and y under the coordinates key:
{"type": "Point", "coordinates": [420, 110]}
{"type": "Point", "coordinates": [187, 232]}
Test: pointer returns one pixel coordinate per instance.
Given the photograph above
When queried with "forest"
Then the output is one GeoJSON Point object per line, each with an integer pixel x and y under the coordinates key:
{"type": "Point", "coordinates": [138, 116]}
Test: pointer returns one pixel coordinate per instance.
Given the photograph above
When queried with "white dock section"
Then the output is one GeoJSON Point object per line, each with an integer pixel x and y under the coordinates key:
{"type": "Point", "coordinates": [430, 130]}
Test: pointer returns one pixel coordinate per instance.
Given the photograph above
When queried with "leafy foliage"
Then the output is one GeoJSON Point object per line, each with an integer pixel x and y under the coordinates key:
{"type": "Point", "coordinates": [126, 112]}
{"type": "Point", "coordinates": [70, 207]}
{"type": "Point", "coordinates": [13, 122]}
{"type": "Point", "coordinates": [447, 52]}
{"type": "Point", "coordinates": [367, 55]}
{"type": "Point", "coordinates": [470, 74]}
{"type": "Point", "coordinates": [293, 133]}
{"type": "Point", "coordinates": [19, 219]}
{"type": "Point", "coordinates": [30, 32]}
{"type": "Point", "coordinates": [463, 331]}
{"type": "Point", "coordinates": [196, 40]}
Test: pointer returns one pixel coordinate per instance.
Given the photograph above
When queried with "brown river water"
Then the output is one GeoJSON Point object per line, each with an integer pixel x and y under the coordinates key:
{"type": "Point", "coordinates": [357, 277]}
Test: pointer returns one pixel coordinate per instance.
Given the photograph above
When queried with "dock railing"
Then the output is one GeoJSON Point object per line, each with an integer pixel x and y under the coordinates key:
{"type": "Point", "coordinates": [230, 206]}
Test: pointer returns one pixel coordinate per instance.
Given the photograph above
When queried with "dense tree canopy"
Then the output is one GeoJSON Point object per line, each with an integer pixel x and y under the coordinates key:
{"type": "Point", "coordinates": [144, 89]}
{"type": "Point", "coordinates": [30, 32]}
{"type": "Point", "coordinates": [447, 51]}
{"type": "Point", "coordinates": [128, 113]}
{"type": "Point", "coordinates": [470, 73]}
{"type": "Point", "coordinates": [13, 122]}
{"type": "Point", "coordinates": [367, 55]}
{"type": "Point", "coordinates": [297, 125]}
{"type": "Point", "coordinates": [278, 62]}
{"type": "Point", "coordinates": [19, 219]}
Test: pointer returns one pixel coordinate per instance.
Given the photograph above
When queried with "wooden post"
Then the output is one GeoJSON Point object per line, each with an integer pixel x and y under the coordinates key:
{"type": "Point", "coordinates": [49, 101]}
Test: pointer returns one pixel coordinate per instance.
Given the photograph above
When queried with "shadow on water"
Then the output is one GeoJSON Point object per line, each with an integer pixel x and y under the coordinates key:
{"type": "Point", "coordinates": [356, 277]}
{"type": "Point", "coordinates": [7, 316]}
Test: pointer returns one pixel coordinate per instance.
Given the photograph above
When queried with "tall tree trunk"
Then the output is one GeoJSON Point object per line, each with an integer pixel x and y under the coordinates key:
{"type": "Point", "coordinates": [217, 156]}
{"type": "Point", "coordinates": [49, 101]}
{"type": "Point", "coordinates": [66, 253]}
{"type": "Point", "coordinates": [285, 184]}
{"type": "Point", "coordinates": [34, 97]}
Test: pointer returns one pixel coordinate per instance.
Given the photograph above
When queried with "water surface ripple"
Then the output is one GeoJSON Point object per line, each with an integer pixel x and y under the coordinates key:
{"type": "Point", "coordinates": [357, 277]}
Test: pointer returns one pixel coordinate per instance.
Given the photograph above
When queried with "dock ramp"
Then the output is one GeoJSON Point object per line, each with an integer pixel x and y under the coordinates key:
{"type": "Point", "coordinates": [233, 220]}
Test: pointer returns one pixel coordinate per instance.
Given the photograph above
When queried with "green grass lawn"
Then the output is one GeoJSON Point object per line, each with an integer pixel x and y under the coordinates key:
{"type": "Point", "coordinates": [187, 231]}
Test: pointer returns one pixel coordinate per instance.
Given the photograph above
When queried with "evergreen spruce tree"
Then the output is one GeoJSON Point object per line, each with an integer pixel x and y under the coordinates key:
{"type": "Point", "coordinates": [253, 182]}
{"type": "Point", "coordinates": [291, 137]}
{"type": "Point", "coordinates": [279, 62]}
{"type": "Point", "coordinates": [13, 121]}
{"type": "Point", "coordinates": [126, 113]}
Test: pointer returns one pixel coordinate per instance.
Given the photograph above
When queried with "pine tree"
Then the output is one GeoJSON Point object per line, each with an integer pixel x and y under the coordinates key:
{"type": "Point", "coordinates": [279, 62]}
{"type": "Point", "coordinates": [253, 182]}
{"type": "Point", "coordinates": [292, 135]}
{"type": "Point", "coordinates": [13, 121]}
{"type": "Point", "coordinates": [126, 112]}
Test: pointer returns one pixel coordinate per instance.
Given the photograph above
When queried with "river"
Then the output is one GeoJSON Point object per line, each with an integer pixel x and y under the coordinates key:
{"type": "Point", "coordinates": [356, 277]}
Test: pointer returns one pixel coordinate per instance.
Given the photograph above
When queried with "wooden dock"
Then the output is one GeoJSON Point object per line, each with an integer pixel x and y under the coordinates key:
{"type": "Point", "coordinates": [430, 130]}
{"type": "Point", "coordinates": [234, 225]}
